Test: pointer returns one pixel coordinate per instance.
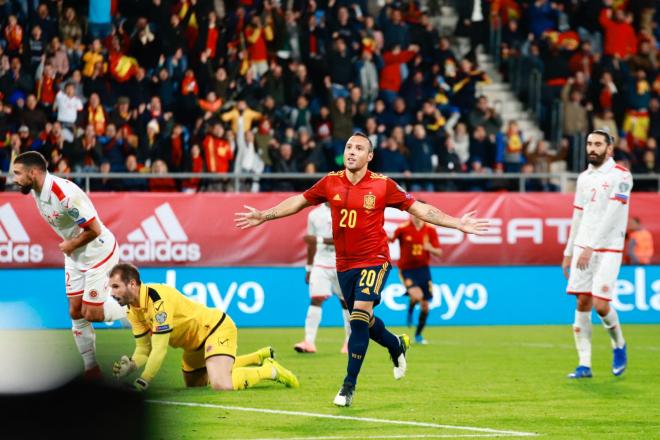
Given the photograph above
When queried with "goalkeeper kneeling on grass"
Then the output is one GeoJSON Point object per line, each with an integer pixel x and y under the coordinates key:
{"type": "Point", "coordinates": [161, 316]}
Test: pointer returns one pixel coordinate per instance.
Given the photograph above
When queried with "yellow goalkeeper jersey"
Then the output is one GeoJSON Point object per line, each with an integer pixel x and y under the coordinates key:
{"type": "Point", "coordinates": [164, 309]}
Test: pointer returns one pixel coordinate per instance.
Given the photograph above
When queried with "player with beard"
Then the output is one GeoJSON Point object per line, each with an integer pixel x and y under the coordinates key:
{"type": "Point", "coordinates": [598, 230]}
{"type": "Point", "coordinates": [358, 198]}
{"type": "Point", "coordinates": [89, 248]}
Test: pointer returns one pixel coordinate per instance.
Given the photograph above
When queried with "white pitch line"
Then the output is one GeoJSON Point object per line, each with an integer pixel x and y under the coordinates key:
{"type": "Point", "coordinates": [382, 437]}
{"type": "Point", "coordinates": [336, 417]}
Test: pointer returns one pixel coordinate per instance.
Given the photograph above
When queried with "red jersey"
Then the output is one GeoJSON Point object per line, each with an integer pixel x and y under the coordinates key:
{"type": "Point", "coordinates": [411, 242]}
{"type": "Point", "coordinates": [358, 215]}
{"type": "Point", "coordinates": [218, 154]}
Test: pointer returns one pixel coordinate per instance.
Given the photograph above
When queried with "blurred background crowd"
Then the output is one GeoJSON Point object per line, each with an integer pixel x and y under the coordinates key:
{"type": "Point", "coordinates": [277, 86]}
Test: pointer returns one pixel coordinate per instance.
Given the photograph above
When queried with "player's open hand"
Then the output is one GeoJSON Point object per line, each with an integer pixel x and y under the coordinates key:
{"type": "Point", "coordinates": [566, 265]}
{"type": "Point", "coordinates": [585, 256]}
{"type": "Point", "coordinates": [67, 247]}
{"type": "Point", "coordinates": [471, 225]}
{"type": "Point", "coordinates": [250, 219]}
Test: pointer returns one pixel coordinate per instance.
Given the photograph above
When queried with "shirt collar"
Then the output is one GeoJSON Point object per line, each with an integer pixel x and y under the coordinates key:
{"type": "Point", "coordinates": [144, 296]}
{"type": "Point", "coordinates": [44, 196]}
{"type": "Point", "coordinates": [604, 168]}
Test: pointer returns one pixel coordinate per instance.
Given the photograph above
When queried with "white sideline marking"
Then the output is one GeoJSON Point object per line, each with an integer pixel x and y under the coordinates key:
{"type": "Point", "coordinates": [383, 437]}
{"type": "Point", "coordinates": [495, 432]}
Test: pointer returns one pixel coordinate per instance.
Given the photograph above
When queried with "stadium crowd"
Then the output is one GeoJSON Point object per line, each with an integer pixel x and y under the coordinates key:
{"type": "Point", "coordinates": [265, 86]}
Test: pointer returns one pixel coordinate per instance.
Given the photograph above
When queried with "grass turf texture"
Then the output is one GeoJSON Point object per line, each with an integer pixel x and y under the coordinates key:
{"type": "Point", "coordinates": [504, 378]}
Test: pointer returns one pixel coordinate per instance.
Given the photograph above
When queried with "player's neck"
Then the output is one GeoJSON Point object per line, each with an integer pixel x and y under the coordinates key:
{"type": "Point", "coordinates": [39, 183]}
{"type": "Point", "coordinates": [355, 176]}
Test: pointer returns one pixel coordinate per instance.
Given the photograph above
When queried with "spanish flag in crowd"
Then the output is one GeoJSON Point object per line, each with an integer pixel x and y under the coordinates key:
{"type": "Point", "coordinates": [507, 10]}
{"type": "Point", "coordinates": [122, 67]}
{"type": "Point", "coordinates": [569, 40]}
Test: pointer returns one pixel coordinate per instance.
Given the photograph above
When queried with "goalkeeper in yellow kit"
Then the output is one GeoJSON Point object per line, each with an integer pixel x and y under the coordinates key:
{"type": "Point", "coordinates": [161, 316]}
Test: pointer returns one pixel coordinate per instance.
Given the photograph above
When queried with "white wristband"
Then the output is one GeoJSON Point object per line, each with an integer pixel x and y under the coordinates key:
{"type": "Point", "coordinates": [319, 239]}
{"type": "Point", "coordinates": [308, 267]}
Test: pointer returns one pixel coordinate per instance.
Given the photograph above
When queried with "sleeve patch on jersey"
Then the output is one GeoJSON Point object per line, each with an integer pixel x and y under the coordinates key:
{"type": "Point", "coordinates": [162, 328]}
{"type": "Point", "coordinates": [74, 213]}
{"type": "Point", "coordinates": [621, 198]}
{"type": "Point", "coordinates": [161, 317]}
{"type": "Point", "coordinates": [624, 187]}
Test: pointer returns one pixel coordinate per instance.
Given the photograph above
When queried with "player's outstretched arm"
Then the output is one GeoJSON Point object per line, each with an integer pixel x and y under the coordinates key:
{"type": "Point", "coordinates": [255, 217]}
{"type": "Point", "coordinates": [467, 223]}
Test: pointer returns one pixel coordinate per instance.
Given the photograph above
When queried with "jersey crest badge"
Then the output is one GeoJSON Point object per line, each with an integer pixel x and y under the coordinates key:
{"type": "Point", "coordinates": [161, 317]}
{"type": "Point", "coordinates": [369, 201]}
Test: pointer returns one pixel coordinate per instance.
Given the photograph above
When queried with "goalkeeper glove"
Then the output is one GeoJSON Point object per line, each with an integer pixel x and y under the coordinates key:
{"type": "Point", "coordinates": [140, 385]}
{"type": "Point", "coordinates": [123, 367]}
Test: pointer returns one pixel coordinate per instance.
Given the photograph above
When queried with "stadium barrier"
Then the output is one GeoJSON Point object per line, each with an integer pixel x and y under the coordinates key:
{"type": "Point", "coordinates": [197, 230]}
{"type": "Point", "coordinates": [277, 297]}
{"type": "Point", "coordinates": [237, 182]}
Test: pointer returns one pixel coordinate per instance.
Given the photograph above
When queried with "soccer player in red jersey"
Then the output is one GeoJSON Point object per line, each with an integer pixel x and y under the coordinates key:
{"type": "Point", "coordinates": [417, 241]}
{"type": "Point", "coordinates": [357, 200]}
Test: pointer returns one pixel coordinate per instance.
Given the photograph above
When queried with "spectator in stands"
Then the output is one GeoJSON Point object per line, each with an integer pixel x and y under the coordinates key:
{"type": "Point", "coordinates": [106, 184]}
{"type": "Point", "coordinates": [390, 157]}
{"type": "Point", "coordinates": [217, 150]}
{"type": "Point", "coordinates": [390, 75]}
{"type": "Point", "coordinates": [161, 184]}
{"type": "Point", "coordinates": [511, 149]}
{"type": "Point", "coordinates": [421, 157]}
{"type": "Point", "coordinates": [473, 16]}
{"type": "Point", "coordinates": [485, 116]}
{"type": "Point", "coordinates": [285, 162]}
{"type": "Point", "coordinates": [620, 37]}
{"type": "Point", "coordinates": [241, 118]}
{"type": "Point", "coordinates": [133, 184]}
{"type": "Point", "coordinates": [67, 106]}
{"type": "Point", "coordinates": [482, 149]}
{"type": "Point", "coordinates": [575, 113]}
{"type": "Point", "coordinates": [32, 116]}
{"type": "Point", "coordinates": [113, 147]}
{"type": "Point", "coordinates": [194, 164]}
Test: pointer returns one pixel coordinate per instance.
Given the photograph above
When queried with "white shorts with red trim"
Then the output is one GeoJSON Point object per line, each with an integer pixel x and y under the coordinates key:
{"type": "Point", "coordinates": [91, 284]}
{"type": "Point", "coordinates": [599, 278]}
{"type": "Point", "coordinates": [323, 282]}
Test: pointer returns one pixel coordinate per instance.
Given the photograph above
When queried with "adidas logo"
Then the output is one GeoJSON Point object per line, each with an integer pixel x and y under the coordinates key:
{"type": "Point", "coordinates": [160, 238]}
{"type": "Point", "coordinates": [15, 244]}
{"type": "Point", "coordinates": [337, 198]}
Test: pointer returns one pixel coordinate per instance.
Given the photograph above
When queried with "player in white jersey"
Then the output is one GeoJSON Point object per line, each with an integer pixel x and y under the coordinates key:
{"type": "Point", "coordinates": [321, 275]}
{"type": "Point", "coordinates": [598, 230]}
{"type": "Point", "coordinates": [90, 250]}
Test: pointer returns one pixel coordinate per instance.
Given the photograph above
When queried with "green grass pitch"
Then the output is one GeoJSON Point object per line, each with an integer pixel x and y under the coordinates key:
{"type": "Point", "coordinates": [500, 378]}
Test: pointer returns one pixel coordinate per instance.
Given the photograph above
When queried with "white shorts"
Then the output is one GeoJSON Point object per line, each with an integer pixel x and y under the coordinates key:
{"type": "Point", "coordinates": [92, 284]}
{"type": "Point", "coordinates": [599, 278]}
{"type": "Point", "coordinates": [323, 282]}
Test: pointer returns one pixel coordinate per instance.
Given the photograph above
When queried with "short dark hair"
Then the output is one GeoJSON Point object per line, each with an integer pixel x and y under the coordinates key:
{"type": "Point", "coordinates": [32, 159]}
{"type": "Point", "coordinates": [608, 137]}
{"type": "Point", "coordinates": [360, 134]}
{"type": "Point", "coordinates": [127, 272]}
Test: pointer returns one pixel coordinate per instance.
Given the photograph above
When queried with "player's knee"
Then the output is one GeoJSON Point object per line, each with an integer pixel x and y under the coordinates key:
{"type": "Point", "coordinates": [93, 314]}
{"type": "Point", "coordinates": [75, 312]}
{"type": "Point", "coordinates": [602, 308]}
{"type": "Point", "coordinates": [584, 303]}
{"type": "Point", "coordinates": [222, 385]}
{"type": "Point", "coordinates": [425, 306]}
{"type": "Point", "coordinates": [318, 301]}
